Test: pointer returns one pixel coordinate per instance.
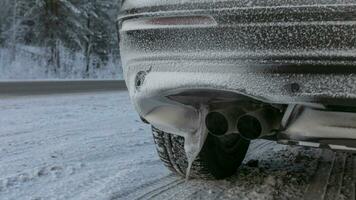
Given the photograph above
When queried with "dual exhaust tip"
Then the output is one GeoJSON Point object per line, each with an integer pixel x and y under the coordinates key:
{"type": "Point", "coordinates": [250, 125]}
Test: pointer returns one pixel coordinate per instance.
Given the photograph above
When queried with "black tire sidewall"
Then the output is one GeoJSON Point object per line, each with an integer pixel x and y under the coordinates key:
{"type": "Point", "coordinates": [223, 162]}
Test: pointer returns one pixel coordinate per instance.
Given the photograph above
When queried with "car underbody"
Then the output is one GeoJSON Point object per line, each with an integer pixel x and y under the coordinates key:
{"type": "Point", "coordinates": [279, 71]}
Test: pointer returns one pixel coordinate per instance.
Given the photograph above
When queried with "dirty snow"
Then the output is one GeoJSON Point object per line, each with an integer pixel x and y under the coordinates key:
{"type": "Point", "coordinates": [93, 146]}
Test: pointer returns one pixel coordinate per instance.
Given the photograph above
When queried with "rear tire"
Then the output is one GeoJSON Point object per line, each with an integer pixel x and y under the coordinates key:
{"type": "Point", "coordinates": [219, 158]}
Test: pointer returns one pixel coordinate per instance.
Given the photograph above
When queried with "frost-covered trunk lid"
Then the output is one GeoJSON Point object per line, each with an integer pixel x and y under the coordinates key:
{"type": "Point", "coordinates": [140, 6]}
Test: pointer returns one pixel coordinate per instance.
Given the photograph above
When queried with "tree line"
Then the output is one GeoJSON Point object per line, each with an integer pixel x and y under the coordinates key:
{"type": "Point", "coordinates": [79, 26]}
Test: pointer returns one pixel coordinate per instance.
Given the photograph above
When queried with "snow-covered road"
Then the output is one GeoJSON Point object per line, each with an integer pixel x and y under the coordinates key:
{"type": "Point", "coordinates": [93, 146]}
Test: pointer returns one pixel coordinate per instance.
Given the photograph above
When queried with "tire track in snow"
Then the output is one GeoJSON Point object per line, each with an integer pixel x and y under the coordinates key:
{"type": "Point", "coordinates": [145, 188]}
{"type": "Point", "coordinates": [337, 174]}
{"type": "Point", "coordinates": [192, 189]}
{"type": "Point", "coordinates": [348, 181]}
{"type": "Point", "coordinates": [200, 190]}
{"type": "Point", "coordinates": [334, 178]}
{"type": "Point", "coordinates": [156, 192]}
{"type": "Point", "coordinates": [317, 188]}
{"type": "Point", "coordinates": [260, 145]}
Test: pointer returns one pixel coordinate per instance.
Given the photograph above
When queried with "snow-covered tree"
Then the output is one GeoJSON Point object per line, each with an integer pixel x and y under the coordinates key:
{"type": "Point", "coordinates": [80, 26]}
{"type": "Point", "coordinates": [98, 41]}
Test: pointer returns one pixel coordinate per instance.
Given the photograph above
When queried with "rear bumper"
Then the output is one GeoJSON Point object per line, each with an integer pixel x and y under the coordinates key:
{"type": "Point", "coordinates": [279, 54]}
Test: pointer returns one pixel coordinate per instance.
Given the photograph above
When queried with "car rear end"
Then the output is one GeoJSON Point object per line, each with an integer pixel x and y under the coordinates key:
{"type": "Point", "coordinates": [294, 59]}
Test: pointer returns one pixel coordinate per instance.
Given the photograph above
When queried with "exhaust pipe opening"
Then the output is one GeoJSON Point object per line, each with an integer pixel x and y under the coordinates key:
{"type": "Point", "coordinates": [217, 124]}
{"type": "Point", "coordinates": [249, 127]}
{"type": "Point", "coordinates": [258, 123]}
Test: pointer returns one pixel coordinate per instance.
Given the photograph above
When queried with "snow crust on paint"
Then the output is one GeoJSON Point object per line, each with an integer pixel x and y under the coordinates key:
{"type": "Point", "coordinates": [238, 3]}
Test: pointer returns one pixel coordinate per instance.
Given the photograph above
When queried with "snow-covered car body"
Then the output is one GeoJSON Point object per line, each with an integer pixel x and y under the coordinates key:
{"type": "Point", "coordinates": [181, 58]}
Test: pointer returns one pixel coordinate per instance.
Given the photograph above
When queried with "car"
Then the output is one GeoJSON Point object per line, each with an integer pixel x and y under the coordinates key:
{"type": "Point", "coordinates": [210, 76]}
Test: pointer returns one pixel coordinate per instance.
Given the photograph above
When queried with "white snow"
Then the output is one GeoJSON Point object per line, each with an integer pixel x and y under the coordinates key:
{"type": "Point", "coordinates": [73, 147]}
{"type": "Point", "coordinates": [94, 146]}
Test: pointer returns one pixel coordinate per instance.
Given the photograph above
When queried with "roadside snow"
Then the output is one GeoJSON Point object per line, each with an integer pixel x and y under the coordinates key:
{"type": "Point", "coordinates": [73, 147]}
{"type": "Point", "coordinates": [73, 66]}
{"type": "Point", "coordinates": [93, 146]}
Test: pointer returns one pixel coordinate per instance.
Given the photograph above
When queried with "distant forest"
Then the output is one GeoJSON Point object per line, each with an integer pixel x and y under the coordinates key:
{"type": "Point", "coordinates": [59, 39]}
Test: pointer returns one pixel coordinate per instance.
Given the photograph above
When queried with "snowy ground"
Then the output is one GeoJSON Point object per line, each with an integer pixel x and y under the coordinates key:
{"type": "Point", "coordinates": [93, 146]}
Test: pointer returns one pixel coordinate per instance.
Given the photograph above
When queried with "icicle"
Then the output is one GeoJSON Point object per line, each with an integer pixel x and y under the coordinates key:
{"type": "Point", "coordinates": [194, 142]}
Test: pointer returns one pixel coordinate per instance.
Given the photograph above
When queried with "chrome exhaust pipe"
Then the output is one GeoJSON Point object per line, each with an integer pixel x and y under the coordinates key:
{"type": "Point", "coordinates": [223, 121]}
{"type": "Point", "coordinates": [258, 123]}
